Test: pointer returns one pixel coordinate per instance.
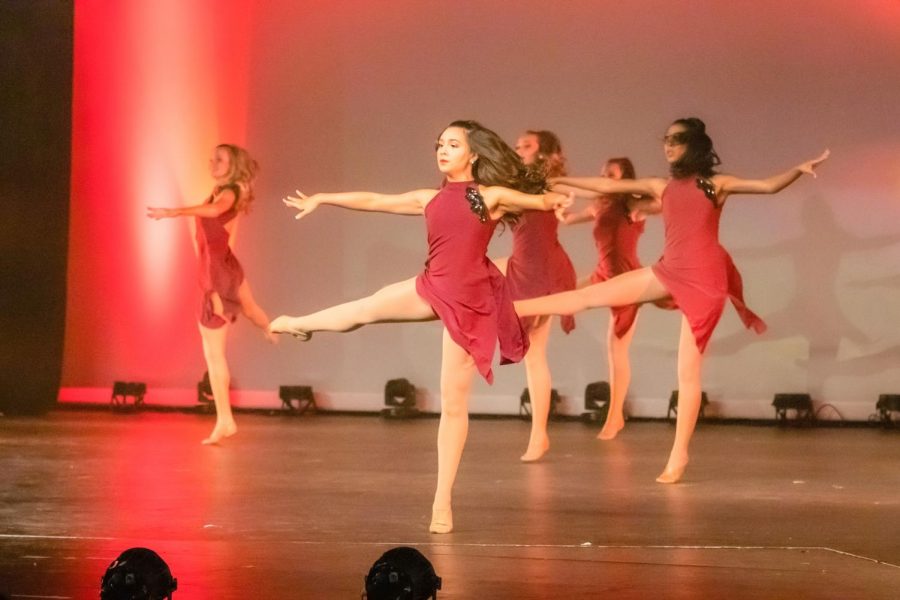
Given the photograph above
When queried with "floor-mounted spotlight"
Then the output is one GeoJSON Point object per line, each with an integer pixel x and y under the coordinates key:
{"type": "Point", "coordinates": [596, 402]}
{"type": "Point", "coordinates": [672, 414]}
{"type": "Point", "coordinates": [399, 399]}
{"type": "Point", "coordinates": [137, 573]}
{"type": "Point", "coordinates": [525, 404]}
{"type": "Point", "coordinates": [297, 399]}
{"type": "Point", "coordinates": [123, 390]}
{"type": "Point", "coordinates": [205, 399]}
{"type": "Point", "coordinates": [402, 572]}
{"type": "Point", "coordinates": [800, 404]}
{"type": "Point", "coordinates": [886, 405]}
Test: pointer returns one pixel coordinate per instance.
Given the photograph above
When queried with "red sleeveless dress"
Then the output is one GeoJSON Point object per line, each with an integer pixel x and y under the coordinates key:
{"type": "Point", "coordinates": [465, 289]}
{"type": "Point", "coordinates": [616, 238]}
{"type": "Point", "coordinates": [695, 268]}
{"type": "Point", "coordinates": [538, 265]}
{"type": "Point", "coordinates": [220, 271]}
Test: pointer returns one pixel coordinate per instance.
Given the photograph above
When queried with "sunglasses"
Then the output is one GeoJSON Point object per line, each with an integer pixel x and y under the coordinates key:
{"type": "Point", "coordinates": [675, 139]}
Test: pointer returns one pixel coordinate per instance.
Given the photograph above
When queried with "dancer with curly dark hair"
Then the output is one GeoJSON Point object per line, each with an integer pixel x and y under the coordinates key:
{"type": "Point", "coordinates": [485, 182]}
{"type": "Point", "coordinates": [695, 270]}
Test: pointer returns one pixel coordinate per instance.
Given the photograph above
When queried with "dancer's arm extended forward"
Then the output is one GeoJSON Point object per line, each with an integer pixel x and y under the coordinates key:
{"type": "Point", "coordinates": [501, 200]}
{"type": "Point", "coordinates": [649, 186]}
{"type": "Point", "coordinates": [409, 203]}
{"type": "Point", "coordinates": [728, 184]}
{"type": "Point", "coordinates": [221, 203]}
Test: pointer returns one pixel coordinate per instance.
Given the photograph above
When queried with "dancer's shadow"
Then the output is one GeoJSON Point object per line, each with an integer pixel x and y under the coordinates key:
{"type": "Point", "coordinates": [814, 311]}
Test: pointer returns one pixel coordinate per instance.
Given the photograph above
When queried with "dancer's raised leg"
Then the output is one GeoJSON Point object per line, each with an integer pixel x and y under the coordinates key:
{"type": "Point", "coordinates": [219, 380]}
{"type": "Point", "coordinates": [254, 311]}
{"type": "Point", "coordinates": [457, 371]}
{"type": "Point", "coordinates": [393, 303]}
{"type": "Point", "coordinates": [537, 373]}
{"type": "Point", "coordinates": [690, 361]}
{"type": "Point", "coordinates": [632, 287]}
{"type": "Point", "coordinates": [619, 378]}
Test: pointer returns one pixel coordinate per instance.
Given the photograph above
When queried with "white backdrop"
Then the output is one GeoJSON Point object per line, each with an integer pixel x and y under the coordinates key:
{"type": "Point", "coordinates": [351, 95]}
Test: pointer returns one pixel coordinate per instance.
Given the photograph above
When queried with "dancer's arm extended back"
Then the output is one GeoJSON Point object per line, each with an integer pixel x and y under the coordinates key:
{"type": "Point", "coordinates": [408, 203]}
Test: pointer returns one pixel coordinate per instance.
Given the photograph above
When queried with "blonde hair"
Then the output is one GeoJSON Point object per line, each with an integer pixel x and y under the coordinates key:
{"type": "Point", "coordinates": [241, 175]}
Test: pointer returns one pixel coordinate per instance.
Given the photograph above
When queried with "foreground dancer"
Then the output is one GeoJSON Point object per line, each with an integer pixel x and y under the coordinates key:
{"type": "Point", "coordinates": [485, 182]}
{"type": "Point", "coordinates": [538, 266]}
{"type": "Point", "coordinates": [695, 270]}
{"type": "Point", "coordinates": [616, 237]}
{"type": "Point", "coordinates": [225, 290]}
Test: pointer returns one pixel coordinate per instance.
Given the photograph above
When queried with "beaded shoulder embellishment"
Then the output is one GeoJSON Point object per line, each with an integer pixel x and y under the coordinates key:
{"type": "Point", "coordinates": [476, 203]}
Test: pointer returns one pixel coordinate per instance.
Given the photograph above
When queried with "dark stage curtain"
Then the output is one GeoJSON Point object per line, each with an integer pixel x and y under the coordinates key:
{"type": "Point", "coordinates": [35, 138]}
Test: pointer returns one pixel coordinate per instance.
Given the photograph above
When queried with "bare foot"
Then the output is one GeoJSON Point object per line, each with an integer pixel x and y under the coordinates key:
{"type": "Point", "coordinates": [441, 520]}
{"type": "Point", "coordinates": [285, 324]}
{"type": "Point", "coordinates": [536, 449]}
{"type": "Point", "coordinates": [219, 433]}
{"type": "Point", "coordinates": [611, 429]}
{"type": "Point", "coordinates": [673, 472]}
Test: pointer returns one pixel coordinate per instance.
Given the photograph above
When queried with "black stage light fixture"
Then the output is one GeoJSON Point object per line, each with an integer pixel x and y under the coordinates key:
{"type": "Point", "coordinates": [138, 573]}
{"type": "Point", "coordinates": [399, 399]}
{"type": "Point", "coordinates": [205, 399]}
{"type": "Point", "coordinates": [302, 395]}
{"type": "Point", "coordinates": [525, 404]}
{"type": "Point", "coordinates": [122, 390]}
{"type": "Point", "coordinates": [672, 414]}
{"type": "Point", "coordinates": [596, 402]}
{"type": "Point", "coordinates": [887, 404]}
{"type": "Point", "coordinates": [801, 404]}
{"type": "Point", "coordinates": [402, 572]}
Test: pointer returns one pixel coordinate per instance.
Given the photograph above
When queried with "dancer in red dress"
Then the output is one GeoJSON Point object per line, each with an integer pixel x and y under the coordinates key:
{"type": "Point", "coordinates": [538, 266]}
{"type": "Point", "coordinates": [695, 270]}
{"type": "Point", "coordinates": [225, 290]}
{"type": "Point", "coordinates": [616, 237]}
{"type": "Point", "coordinates": [485, 182]}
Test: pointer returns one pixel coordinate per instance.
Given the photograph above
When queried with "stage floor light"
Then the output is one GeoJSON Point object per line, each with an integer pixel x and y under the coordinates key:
{"type": "Point", "coordinates": [399, 399]}
{"type": "Point", "coordinates": [596, 402]}
{"type": "Point", "coordinates": [887, 405]}
{"type": "Point", "coordinates": [525, 404]}
{"type": "Point", "coordinates": [672, 413]}
{"type": "Point", "coordinates": [302, 395]}
{"type": "Point", "coordinates": [800, 404]}
{"type": "Point", "coordinates": [123, 390]}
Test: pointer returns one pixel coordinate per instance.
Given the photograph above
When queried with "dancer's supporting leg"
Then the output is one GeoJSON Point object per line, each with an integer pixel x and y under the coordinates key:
{"type": "Point", "coordinates": [219, 380]}
{"type": "Point", "coordinates": [457, 372]}
{"type": "Point", "coordinates": [393, 303]}
{"type": "Point", "coordinates": [537, 373]}
{"type": "Point", "coordinates": [619, 378]}
{"type": "Point", "coordinates": [690, 362]}
{"type": "Point", "coordinates": [254, 311]}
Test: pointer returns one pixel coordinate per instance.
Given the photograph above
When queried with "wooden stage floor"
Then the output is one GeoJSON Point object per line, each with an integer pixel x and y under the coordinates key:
{"type": "Point", "coordinates": [300, 507]}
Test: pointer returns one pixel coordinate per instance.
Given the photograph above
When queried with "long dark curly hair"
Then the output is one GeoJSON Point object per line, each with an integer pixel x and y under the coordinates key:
{"type": "Point", "coordinates": [497, 163]}
{"type": "Point", "coordinates": [699, 158]}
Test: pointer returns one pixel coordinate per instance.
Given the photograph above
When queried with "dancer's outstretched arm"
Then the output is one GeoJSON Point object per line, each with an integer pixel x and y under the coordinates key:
{"type": "Point", "coordinates": [409, 203]}
{"type": "Point", "coordinates": [649, 186]}
{"type": "Point", "coordinates": [220, 204]}
{"type": "Point", "coordinates": [501, 200]}
{"type": "Point", "coordinates": [728, 184]}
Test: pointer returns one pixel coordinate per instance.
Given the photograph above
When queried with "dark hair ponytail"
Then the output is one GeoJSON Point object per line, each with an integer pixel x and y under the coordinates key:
{"type": "Point", "coordinates": [699, 158]}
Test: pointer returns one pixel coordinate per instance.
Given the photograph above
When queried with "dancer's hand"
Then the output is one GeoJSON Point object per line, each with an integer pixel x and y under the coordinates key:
{"type": "Point", "coordinates": [303, 203]}
{"type": "Point", "coordinates": [561, 204]}
{"type": "Point", "coordinates": [809, 167]}
{"type": "Point", "coordinates": [160, 213]}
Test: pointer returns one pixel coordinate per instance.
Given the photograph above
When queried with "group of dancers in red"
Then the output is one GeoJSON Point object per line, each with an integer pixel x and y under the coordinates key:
{"type": "Point", "coordinates": [510, 301]}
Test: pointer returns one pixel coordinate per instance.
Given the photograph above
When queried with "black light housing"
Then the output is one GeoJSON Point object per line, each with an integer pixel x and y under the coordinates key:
{"type": "Point", "coordinates": [123, 390]}
{"type": "Point", "coordinates": [525, 404]}
{"type": "Point", "coordinates": [302, 395]}
{"type": "Point", "coordinates": [399, 399]}
{"type": "Point", "coordinates": [672, 413]}
{"type": "Point", "coordinates": [801, 404]}
{"type": "Point", "coordinates": [596, 402]}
